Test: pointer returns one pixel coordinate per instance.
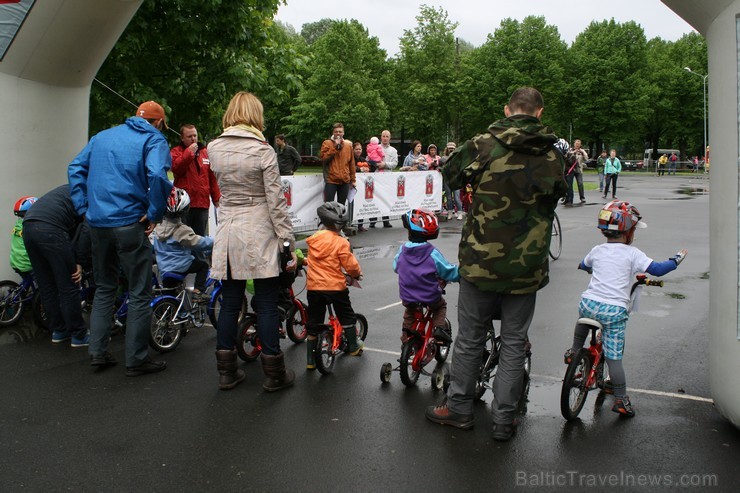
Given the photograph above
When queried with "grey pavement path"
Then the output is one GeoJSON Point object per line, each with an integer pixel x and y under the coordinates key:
{"type": "Point", "coordinates": [64, 427]}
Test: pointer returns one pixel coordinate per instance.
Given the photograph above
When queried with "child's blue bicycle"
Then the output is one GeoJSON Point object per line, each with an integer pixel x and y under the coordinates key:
{"type": "Point", "coordinates": [14, 298]}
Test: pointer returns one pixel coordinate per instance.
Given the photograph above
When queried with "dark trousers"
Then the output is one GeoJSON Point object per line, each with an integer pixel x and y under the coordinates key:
{"type": "Point", "coordinates": [200, 269]}
{"type": "Point", "coordinates": [265, 303]}
{"type": "Point", "coordinates": [569, 191]}
{"type": "Point", "coordinates": [52, 256]}
{"type": "Point", "coordinates": [317, 303]}
{"type": "Point", "coordinates": [197, 219]}
{"type": "Point", "coordinates": [340, 191]}
{"type": "Point", "coordinates": [611, 178]}
{"type": "Point", "coordinates": [125, 248]}
{"type": "Point", "coordinates": [438, 308]}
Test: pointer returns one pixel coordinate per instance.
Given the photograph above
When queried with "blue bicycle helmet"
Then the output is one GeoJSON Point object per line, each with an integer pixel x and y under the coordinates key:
{"type": "Point", "coordinates": [23, 204]}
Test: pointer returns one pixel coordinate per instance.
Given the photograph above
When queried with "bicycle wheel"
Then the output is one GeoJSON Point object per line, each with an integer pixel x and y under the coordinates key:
{"type": "Point", "coordinates": [295, 323]}
{"type": "Point", "coordinates": [489, 363]}
{"type": "Point", "coordinates": [324, 354]}
{"type": "Point", "coordinates": [361, 326]}
{"type": "Point", "coordinates": [574, 392]}
{"type": "Point", "coordinates": [443, 350]}
{"type": "Point", "coordinates": [527, 360]}
{"type": "Point", "coordinates": [249, 347]}
{"type": "Point", "coordinates": [39, 313]}
{"type": "Point", "coordinates": [11, 304]}
{"type": "Point", "coordinates": [166, 331]}
{"type": "Point", "coordinates": [556, 241]}
{"type": "Point", "coordinates": [409, 376]}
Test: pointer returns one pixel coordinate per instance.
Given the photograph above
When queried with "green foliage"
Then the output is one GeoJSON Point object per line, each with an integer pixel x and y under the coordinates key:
{"type": "Point", "coordinates": [192, 56]}
{"type": "Point", "coordinates": [343, 87]}
{"type": "Point", "coordinates": [311, 31]}
{"type": "Point", "coordinates": [425, 78]}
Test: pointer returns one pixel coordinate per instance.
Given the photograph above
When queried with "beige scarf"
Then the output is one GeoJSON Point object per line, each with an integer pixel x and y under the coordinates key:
{"type": "Point", "coordinates": [248, 128]}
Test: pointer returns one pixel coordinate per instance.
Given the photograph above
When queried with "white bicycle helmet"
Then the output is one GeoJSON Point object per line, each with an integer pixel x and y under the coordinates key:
{"type": "Point", "coordinates": [178, 202]}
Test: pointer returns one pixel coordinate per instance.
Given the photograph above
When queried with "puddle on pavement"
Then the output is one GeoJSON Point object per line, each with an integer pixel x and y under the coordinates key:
{"type": "Point", "coordinates": [693, 190]}
{"type": "Point", "coordinates": [21, 333]}
{"type": "Point", "coordinates": [375, 251]}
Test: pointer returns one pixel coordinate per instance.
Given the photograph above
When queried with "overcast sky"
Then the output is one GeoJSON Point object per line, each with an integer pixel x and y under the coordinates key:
{"type": "Point", "coordinates": [387, 19]}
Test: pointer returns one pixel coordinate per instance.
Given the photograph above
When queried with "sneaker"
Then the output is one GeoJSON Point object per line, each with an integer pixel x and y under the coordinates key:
{"type": "Point", "coordinates": [361, 229]}
{"type": "Point", "coordinates": [503, 432]}
{"type": "Point", "coordinates": [568, 356]}
{"type": "Point", "coordinates": [442, 415]}
{"type": "Point", "coordinates": [442, 334]}
{"type": "Point", "coordinates": [83, 341]}
{"type": "Point", "coordinates": [104, 360]}
{"type": "Point", "coordinates": [372, 225]}
{"type": "Point", "coordinates": [623, 407]}
{"type": "Point", "coordinates": [200, 297]}
{"type": "Point", "coordinates": [459, 216]}
{"type": "Point", "coordinates": [358, 351]}
{"type": "Point", "coordinates": [583, 200]}
{"type": "Point", "coordinates": [603, 196]}
{"type": "Point", "coordinates": [59, 336]}
{"type": "Point", "coordinates": [449, 215]}
{"type": "Point", "coordinates": [148, 366]}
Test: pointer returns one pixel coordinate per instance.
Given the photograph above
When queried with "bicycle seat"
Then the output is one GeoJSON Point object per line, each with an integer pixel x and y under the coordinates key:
{"type": "Point", "coordinates": [590, 321]}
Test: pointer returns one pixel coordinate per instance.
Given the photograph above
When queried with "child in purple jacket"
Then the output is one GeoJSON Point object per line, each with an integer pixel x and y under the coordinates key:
{"type": "Point", "coordinates": [420, 267]}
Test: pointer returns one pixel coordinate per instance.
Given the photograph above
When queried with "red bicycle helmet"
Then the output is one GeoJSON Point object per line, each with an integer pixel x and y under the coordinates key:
{"type": "Point", "coordinates": [23, 204]}
{"type": "Point", "coordinates": [422, 225]}
{"type": "Point", "coordinates": [618, 217]}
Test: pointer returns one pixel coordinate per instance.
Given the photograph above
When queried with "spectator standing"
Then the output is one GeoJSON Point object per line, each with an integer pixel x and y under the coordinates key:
{"type": "Point", "coordinates": [253, 229]}
{"type": "Point", "coordinates": [390, 161]}
{"type": "Point", "coordinates": [672, 161]}
{"type": "Point", "coordinates": [119, 182]}
{"type": "Point", "coordinates": [512, 211]}
{"type": "Point", "coordinates": [192, 171]}
{"type": "Point", "coordinates": [662, 163]}
{"type": "Point", "coordinates": [612, 168]}
{"type": "Point", "coordinates": [287, 156]}
{"type": "Point", "coordinates": [432, 159]}
{"type": "Point", "coordinates": [600, 162]}
{"type": "Point", "coordinates": [453, 197]}
{"type": "Point", "coordinates": [581, 156]}
{"type": "Point", "coordinates": [361, 166]}
{"type": "Point", "coordinates": [50, 229]}
{"type": "Point", "coordinates": [415, 160]}
{"type": "Point", "coordinates": [339, 165]}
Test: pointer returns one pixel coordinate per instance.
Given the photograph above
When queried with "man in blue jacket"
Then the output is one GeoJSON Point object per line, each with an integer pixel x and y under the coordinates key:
{"type": "Point", "coordinates": [119, 181]}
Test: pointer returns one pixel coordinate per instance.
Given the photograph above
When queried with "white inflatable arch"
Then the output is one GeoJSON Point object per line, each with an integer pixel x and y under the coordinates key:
{"type": "Point", "coordinates": [50, 50]}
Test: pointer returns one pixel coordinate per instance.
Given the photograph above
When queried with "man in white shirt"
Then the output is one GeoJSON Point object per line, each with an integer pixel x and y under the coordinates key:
{"type": "Point", "coordinates": [389, 162]}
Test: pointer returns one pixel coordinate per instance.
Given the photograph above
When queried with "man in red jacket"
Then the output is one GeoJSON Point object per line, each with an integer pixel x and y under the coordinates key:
{"type": "Point", "coordinates": [193, 173]}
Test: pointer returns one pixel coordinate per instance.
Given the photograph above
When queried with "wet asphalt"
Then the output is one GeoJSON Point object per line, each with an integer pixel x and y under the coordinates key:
{"type": "Point", "coordinates": [65, 427]}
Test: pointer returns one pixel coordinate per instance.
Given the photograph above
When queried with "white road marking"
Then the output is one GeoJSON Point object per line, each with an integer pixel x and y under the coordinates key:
{"type": "Point", "coordinates": [387, 306]}
{"type": "Point", "coordinates": [661, 393]}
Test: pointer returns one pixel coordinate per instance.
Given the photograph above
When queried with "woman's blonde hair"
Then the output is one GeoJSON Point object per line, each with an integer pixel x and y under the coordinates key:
{"type": "Point", "coordinates": [244, 108]}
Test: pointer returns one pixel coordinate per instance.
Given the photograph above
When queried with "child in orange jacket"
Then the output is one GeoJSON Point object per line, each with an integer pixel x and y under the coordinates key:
{"type": "Point", "coordinates": [329, 257]}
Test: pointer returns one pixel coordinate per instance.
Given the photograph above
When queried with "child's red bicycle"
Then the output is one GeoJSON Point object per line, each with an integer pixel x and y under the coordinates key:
{"type": "Point", "coordinates": [586, 371]}
{"type": "Point", "coordinates": [419, 349]}
{"type": "Point", "coordinates": [331, 340]}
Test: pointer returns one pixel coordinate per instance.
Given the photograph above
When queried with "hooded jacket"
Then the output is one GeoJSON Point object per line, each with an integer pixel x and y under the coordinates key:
{"type": "Point", "coordinates": [328, 255]}
{"type": "Point", "coordinates": [174, 245]}
{"type": "Point", "coordinates": [420, 266]}
{"type": "Point", "coordinates": [517, 178]}
{"type": "Point", "coordinates": [121, 175]}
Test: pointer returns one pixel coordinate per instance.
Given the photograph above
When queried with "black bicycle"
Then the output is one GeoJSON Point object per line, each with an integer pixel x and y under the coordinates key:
{"type": "Point", "coordinates": [556, 242]}
{"type": "Point", "coordinates": [489, 363]}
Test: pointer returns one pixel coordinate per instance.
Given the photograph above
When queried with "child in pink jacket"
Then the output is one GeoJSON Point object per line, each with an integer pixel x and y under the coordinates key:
{"type": "Point", "coordinates": [375, 153]}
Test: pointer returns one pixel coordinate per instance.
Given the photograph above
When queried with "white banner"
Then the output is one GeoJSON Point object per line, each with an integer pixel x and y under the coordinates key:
{"type": "Point", "coordinates": [378, 194]}
{"type": "Point", "coordinates": [392, 194]}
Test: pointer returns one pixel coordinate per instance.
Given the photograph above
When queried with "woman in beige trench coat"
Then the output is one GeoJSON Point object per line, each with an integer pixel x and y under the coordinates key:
{"type": "Point", "coordinates": [253, 225]}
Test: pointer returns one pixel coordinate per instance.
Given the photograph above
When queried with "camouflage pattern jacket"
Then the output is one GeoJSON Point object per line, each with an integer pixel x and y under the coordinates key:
{"type": "Point", "coordinates": [517, 180]}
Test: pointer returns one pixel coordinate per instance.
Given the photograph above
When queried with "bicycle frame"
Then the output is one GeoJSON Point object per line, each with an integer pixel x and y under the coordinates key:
{"type": "Point", "coordinates": [422, 327]}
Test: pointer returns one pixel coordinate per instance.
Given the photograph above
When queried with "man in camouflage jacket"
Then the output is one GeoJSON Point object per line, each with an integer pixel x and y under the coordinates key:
{"type": "Point", "coordinates": [517, 180]}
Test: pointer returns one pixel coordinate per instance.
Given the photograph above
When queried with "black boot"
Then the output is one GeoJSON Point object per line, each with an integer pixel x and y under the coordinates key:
{"type": "Point", "coordinates": [228, 369]}
{"type": "Point", "coordinates": [278, 377]}
{"type": "Point", "coordinates": [354, 347]}
{"type": "Point", "coordinates": [310, 354]}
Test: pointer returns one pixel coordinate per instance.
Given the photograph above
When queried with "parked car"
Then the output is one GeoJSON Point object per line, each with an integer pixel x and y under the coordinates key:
{"type": "Point", "coordinates": [310, 161]}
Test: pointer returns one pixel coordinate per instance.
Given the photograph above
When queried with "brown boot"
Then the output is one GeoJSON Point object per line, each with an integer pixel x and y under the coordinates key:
{"type": "Point", "coordinates": [228, 369]}
{"type": "Point", "coordinates": [278, 377]}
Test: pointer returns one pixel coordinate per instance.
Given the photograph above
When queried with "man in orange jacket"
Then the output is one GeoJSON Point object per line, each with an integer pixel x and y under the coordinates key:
{"type": "Point", "coordinates": [339, 165]}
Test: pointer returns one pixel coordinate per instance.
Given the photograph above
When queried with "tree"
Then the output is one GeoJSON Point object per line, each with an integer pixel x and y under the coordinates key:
{"type": "Point", "coordinates": [311, 31]}
{"type": "Point", "coordinates": [606, 78]}
{"type": "Point", "coordinates": [526, 53]}
{"type": "Point", "coordinates": [192, 56]}
{"type": "Point", "coordinates": [343, 86]}
{"type": "Point", "coordinates": [425, 71]}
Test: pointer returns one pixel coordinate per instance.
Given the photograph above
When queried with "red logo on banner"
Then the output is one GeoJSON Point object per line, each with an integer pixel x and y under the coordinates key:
{"type": "Point", "coordinates": [429, 185]}
{"type": "Point", "coordinates": [288, 192]}
{"type": "Point", "coordinates": [401, 187]}
{"type": "Point", "coordinates": [369, 188]}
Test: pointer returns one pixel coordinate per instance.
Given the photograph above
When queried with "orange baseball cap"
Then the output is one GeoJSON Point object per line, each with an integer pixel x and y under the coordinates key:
{"type": "Point", "coordinates": [152, 111]}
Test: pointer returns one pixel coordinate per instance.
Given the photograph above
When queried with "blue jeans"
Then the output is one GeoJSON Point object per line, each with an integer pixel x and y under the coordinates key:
{"type": "Point", "coordinates": [476, 310]}
{"type": "Point", "coordinates": [601, 181]}
{"type": "Point", "coordinates": [265, 303]}
{"type": "Point", "coordinates": [52, 256]}
{"type": "Point", "coordinates": [127, 248]}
